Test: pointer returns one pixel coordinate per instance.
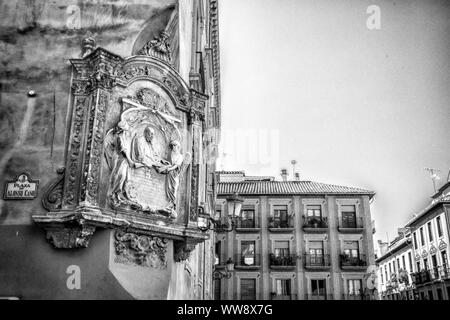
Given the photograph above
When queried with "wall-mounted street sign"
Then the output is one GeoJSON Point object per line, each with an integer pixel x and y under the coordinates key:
{"type": "Point", "coordinates": [21, 188]}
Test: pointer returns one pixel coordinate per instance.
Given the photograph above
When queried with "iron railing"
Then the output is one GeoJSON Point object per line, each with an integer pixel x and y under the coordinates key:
{"type": "Point", "coordinates": [357, 223]}
{"type": "Point", "coordinates": [282, 260]}
{"type": "Point", "coordinates": [247, 224]}
{"type": "Point", "coordinates": [280, 223]}
{"type": "Point", "coordinates": [247, 260]}
{"type": "Point", "coordinates": [315, 223]}
{"type": "Point", "coordinates": [275, 296]}
{"type": "Point", "coordinates": [349, 261]}
{"type": "Point", "coordinates": [314, 260]}
{"type": "Point", "coordinates": [319, 297]}
{"type": "Point", "coordinates": [356, 296]}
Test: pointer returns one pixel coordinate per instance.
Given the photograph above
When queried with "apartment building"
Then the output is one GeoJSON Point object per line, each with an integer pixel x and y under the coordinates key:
{"type": "Point", "coordinates": [430, 238]}
{"type": "Point", "coordinates": [294, 240]}
{"type": "Point", "coordinates": [395, 267]}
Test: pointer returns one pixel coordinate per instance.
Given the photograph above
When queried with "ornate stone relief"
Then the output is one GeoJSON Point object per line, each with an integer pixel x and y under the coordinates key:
{"type": "Point", "coordinates": [182, 250]}
{"type": "Point", "coordinates": [158, 48]}
{"type": "Point", "coordinates": [149, 251]}
{"type": "Point", "coordinates": [144, 155]}
{"type": "Point", "coordinates": [71, 237]}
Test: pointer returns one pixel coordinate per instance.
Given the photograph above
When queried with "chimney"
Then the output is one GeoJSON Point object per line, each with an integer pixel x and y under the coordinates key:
{"type": "Point", "coordinates": [383, 247]}
{"type": "Point", "coordinates": [284, 174]}
{"type": "Point", "coordinates": [297, 176]}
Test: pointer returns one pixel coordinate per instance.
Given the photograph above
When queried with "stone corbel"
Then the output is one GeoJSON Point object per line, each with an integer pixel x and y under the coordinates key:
{"type": "Point", "coordinates": [69, 237]}
{"type": "Point", "coordinates": [182, 249]}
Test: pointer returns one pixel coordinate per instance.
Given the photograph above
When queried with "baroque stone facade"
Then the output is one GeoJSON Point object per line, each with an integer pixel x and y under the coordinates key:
{"type": "Point", "coordinates": [133, 168]}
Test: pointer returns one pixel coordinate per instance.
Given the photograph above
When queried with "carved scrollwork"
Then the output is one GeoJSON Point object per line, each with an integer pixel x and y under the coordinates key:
{"type": "Point", "coordinates": [52, 199]}
{"type": "Point", "coordinates": [158, 48]}
{"type": "Point", "coordinates": [149, 251]}
{"type": "Point", "coordinates": [71, 237]}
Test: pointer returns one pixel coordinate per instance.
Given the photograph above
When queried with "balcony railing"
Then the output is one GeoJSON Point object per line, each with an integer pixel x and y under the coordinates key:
{"type": "Point", "coordinates": [315, 223]}
{"type": "Point", "coordinates": [319, 297]}
{"type": "Point", "coordinates": [356, 224]}
{"type": "Point", "coordinates": [356, 296]}
{"type": "Point", "coordinates": [247, 261]}
{"type": "Point", "coordinates": [349, 262]}
{"type": "Point", "coordinates": [275, 223]}
{"type": "Point", "coordinates": [275, 296]}
{"type": "Point", "coordinates": [425, 276]}
{"type": "Point", "coordinates": [220, 260]}
{"type": "Point", "coordinates": [317, 261]}
{"type": "Point", "coordinates": [247, 224]}
{"type": "Point", "coordinates": [286, 260]}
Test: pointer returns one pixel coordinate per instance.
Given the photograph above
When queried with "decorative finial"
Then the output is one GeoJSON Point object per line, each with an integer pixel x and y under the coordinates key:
{"type": "Point", "coordinates": [87, 46]}
{"type": "Point", "coordinates": [158, 48]}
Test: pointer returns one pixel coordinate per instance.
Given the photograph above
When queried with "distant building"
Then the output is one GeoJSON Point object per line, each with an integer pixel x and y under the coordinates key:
{"type": "Point", "coordinates": [295, 240]}
{"type": "Point", "coordinates": [395, 266]}
{"type": "Point", "coordinates": [430, 238]}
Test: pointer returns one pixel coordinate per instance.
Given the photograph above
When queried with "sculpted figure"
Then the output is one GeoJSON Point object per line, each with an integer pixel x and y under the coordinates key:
{"type": "Point", "coordinates": [173, 170]}
{"type": "Point", "coordinates": [143, 151]}
{"type": "Point", "coordinates": [117, 156]}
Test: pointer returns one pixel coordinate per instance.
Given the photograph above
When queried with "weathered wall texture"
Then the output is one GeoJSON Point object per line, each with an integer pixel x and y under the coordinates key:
{"type": "Point", "coordinates": [37, 38]}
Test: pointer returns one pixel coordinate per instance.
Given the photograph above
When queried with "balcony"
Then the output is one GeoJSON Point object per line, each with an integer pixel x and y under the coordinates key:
{"type": "Point", "coordinates": [274, 296]}
{"type": "Point", "coordinates": [317, 262]}
{"type": "Point", "coordinates": [247, 262]}
{"type": "Point", "coordinates": [319, 297]}
{"type": "Point", "coordinates": [353, 263]}
{"type": "Point", "coordinates": [282, 262]}
{"type": "Point", "coordinates": [426, 276]}
{"type": "Point", "coordinates": [356, 296]}
{"type": "Point", "coordinates": [247, 226]}
{"type": "Point", "coordinates": [315, 225]}
{"type": "Point", "coordinates": [278, 225]}
{"type": "Point", "coordinates": [220, 261]}
{"type": "Point", "coordinates": [351, 226]}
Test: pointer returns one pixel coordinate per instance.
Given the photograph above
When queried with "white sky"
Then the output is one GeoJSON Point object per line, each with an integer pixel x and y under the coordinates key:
{"type": "Point", "coordinates": [357, 107]}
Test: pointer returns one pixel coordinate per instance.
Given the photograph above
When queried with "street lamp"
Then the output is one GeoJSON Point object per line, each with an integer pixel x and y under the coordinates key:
{"type": "Point", "coordinates": [205, 222]}
{"type": "Point", "coordinates": [219, 274]}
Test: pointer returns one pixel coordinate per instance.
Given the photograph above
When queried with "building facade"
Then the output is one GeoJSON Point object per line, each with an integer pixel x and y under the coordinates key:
{"type": "Point", "coordinates": [294, 240]}
{"type": "Point", "coordinates": [430, 244]}
{"type": "Point", "coordinates": [395, 267]}
{"type": "Point", "coordinates": [110, 118]}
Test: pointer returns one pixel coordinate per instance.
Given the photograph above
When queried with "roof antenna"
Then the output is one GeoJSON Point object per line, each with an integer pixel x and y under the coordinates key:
{"type": "Point", "coordinates": [433, 175]}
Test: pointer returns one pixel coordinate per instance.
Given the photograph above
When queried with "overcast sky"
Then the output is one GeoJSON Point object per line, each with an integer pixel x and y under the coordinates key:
{"type": "Point", "coordinates": [357, 107]}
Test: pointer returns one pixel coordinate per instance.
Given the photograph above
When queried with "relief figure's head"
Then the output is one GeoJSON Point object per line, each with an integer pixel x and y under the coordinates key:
{"type": "Point", "coordinates": [149, 134]}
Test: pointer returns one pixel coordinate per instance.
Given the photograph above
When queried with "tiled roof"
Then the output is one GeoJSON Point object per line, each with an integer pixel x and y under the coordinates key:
{"type": "Point", "coordinates": [286, 187]}
{"type": "Point", "coordinates": [441, 200]}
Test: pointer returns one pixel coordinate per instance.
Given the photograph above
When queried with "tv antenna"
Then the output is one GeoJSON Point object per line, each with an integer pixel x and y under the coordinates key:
{"type": "Point", "coordinates": [433, 175]}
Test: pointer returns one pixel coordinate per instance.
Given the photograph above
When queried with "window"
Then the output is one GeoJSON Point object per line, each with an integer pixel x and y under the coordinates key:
{"type": "Point", "coordinates": [248, 253]}
{"type": "Point", "coordinates": [314, 211]}
{"type": "Point", "coordinates": [218, 213]}
{"type": "Point", "coordinates": [318, 289]}
{"type": "Point", "coordinates": [390, 269]}
{"type": "Point", "coordinates": [418, 265]}
{"type": "Point", "coordinates": [422, 239]}
{"type": "Point", "coordinates": [403, 262]}
{"type": "Point", "coordinates": [283, 287]}
{"type": "Point", "coordinates": [351, 249]}
{"type": "Point", "coordinates": [218, 256]}
{"type": "Point", "coordinates": [393, 266]}
{"type": "Point", "coordinates": [354, 286]}
{"type": "Point", "coordinates": [444, 259]}
{"type": "Point", "coordinates": [425, 264]}
{"type": "Point", "coordinates": [247, 218]}
{"type": "Point", "coordinates": [280, 216]}
{"type": "Point", "coordinates": [439, 226]}
{"type": "Point", "coordinates": [415, 240]}
{"type": "Point", "coordinates": [439, 294]}
{"type": "Point", "coordinates": [281, 248]}
{"type": "Point", "coordinates": [248, 289]}
{"type": "Point", "coordinates": [430, 231]}
{"type": "Point", "coordinates": [430, 295]}
{"type": "Point", "coordinates": [316, 252]}
{"type": "Point", "coordinates": [398, 264]}
{"type": "Point", "coordinates": [433, 262]}
{"type": "Point", "coordinates": [382, 280]}
{"type": "Point", "coordinates": [348, 216]}
{"type": "Point", "coordinates": [410, 262]}
{"type": "Point", "coordinates": [385, 273]}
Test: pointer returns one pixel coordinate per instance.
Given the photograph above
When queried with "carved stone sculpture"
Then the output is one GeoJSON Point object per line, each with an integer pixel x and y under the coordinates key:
{"type": "Point", "coordinates": [158, 48]}
{"type": "Point", "coordinates": [149, 251]}
{"type": "Point", "coordinates": [144, 155]}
